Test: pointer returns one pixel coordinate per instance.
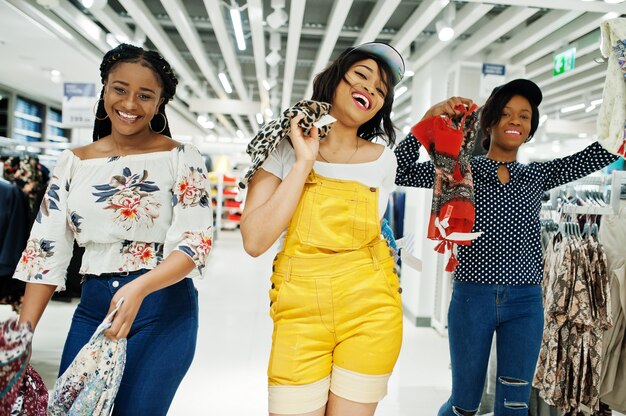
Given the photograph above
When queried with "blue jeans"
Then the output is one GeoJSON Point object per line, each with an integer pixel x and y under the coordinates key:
{"type": "Point", "coordinates": [161, 342]}
{"type": "Point", "coordinates": [515, 313]}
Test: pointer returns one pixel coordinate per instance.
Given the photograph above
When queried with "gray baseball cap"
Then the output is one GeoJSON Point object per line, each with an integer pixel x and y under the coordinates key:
{"type": "Point", "coordinates": [388, 54]}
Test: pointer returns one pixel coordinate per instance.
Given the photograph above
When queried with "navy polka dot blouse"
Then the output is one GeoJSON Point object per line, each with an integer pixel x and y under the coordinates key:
{"type": "Point", "coordinates": [509, 251]}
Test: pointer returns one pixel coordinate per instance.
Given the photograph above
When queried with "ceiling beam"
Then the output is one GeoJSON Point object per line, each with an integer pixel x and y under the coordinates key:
{"type": "Point", "coordinates": [214, 10]}
{"type": "Point", "coordinates": [593, 88]}
{"type": "Point", "coordinates": [493, 30]}
{"type": "Point", "coordinates": [226, 106]}
{"type": "Point", "coordinates": [575, 81]}
{"type": "Point", "coordinates": [184, 25]}
{"type": "Point", "coordinates": [419, 20]}
{"type": "Point", "coordinates": [190, 36]}
{"type": "Point", "coordinates": [466, 18]}
{"type": "Point", "coordinates": [296, 16]}
{"type": "Point", "coordinates": [587, 44]}
{"type": "Point", "coordinates": [583, 64]}
{"type": "Point", "coordinates": [319, 30]}
{"type": "Point", "coordinates": [377, 19]}
{"type": "Point", "coordinates": [144, 18]}
{"type": "Point", "coordinates": [568, 33]}
{"type": "Point", "coordinates": [53, 23]}
{"type": "Point", "coordinates": [81, 23]}
{"type": "Point", "coordinates": [255, 17]}
{"type": "Point", "coordinates": [582, 97]}
{"type": "Point", "coordinates": [531, 34]}
{"type": "Point", "coordinates": [181, 109]}
{"type": "Point", "coordinates": [585, 6]}
{"type": "Point", "coordinates": [112, 21]}
{"type": "Point", "coordinates": [336, 20]}
{"type": "Point", "coordinates": [57, 27]}
{"type": "Point", "coordinates": [583, 117]}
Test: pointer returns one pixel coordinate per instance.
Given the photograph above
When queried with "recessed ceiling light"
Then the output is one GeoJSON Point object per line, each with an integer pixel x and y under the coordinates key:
{"type": "Point", "coordinates": [224, 80]}
{"type": "Point", "coordinates": [445, 33]}
{"type": "Point", "coordinates": [574, 107]}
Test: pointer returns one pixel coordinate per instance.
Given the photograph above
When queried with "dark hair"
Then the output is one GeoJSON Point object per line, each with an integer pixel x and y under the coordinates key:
{"type": "Point", "coordinates": [326, 82]}
{"type": "Point", "coordinates": [491, 113]}
{"type": "Point", "coordinates": [149, 59]}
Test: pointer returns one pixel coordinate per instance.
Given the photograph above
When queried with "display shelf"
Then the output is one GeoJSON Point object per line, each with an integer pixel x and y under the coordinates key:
{"type": "Point", "coordinates": [27, 133]}
{"type": "Point", "coordinates": [53, 123]}
{"type": "Point", "coordinates": [28, 117]}
{"type": "Point", "coordinates": [4, 114]}
{"type": "Point", "coordinates": [226, 195]}
{"type": "Point", "coordinates": [28, 120]}
{"type": "Point", "coordinates": [54, 127]}
{"type": "Point", "coordinates": [58, 139]}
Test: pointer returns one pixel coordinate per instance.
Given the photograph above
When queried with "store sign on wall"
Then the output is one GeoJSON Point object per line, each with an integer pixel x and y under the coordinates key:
{"type": "Point", "coordinates": [79, 99]}
{"type": "Point", "coordinates": [564, 62]}
{"type": "Point", "coordinates": [492, 76]}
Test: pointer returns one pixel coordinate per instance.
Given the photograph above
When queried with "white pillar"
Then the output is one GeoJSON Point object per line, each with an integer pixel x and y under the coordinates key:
{"type": "Point", "coordinates": [429, 86]}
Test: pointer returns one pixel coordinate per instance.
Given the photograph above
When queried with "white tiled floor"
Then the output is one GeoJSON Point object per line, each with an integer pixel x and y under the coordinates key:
{"type": "Point", "coordinates": [228, 375]}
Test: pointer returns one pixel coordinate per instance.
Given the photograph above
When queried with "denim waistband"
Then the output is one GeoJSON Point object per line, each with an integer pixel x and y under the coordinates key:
{"type": "Point", "coordinates": [116, 274]}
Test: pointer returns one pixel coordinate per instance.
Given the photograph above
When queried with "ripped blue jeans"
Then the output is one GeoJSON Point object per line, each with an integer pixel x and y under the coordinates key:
{"type": "Point", "coordinates": [515, 313]}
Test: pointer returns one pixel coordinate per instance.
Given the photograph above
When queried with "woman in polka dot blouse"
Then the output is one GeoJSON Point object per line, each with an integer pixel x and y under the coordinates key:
{"type": "Point", "coordinates": [497, 286]}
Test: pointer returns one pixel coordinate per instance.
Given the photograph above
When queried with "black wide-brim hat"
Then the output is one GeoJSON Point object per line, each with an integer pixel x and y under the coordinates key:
{"type": "Point", "coordinates": [524, 87]}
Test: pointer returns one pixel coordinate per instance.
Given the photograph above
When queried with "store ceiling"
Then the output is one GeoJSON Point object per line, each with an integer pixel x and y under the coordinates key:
{"type": "Point", "coordinates": [198, 39]}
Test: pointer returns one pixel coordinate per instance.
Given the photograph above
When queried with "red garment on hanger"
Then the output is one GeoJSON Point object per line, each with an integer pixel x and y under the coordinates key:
{"type": "Point", "coordinates": [450, 145]}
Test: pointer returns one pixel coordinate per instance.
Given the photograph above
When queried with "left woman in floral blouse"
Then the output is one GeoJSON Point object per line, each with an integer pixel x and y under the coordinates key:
{"type": "Point", "coordinates": [138, 202]}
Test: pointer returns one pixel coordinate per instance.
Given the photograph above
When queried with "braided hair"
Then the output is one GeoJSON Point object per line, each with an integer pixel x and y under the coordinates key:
{"type": "Point", "coordinates": [150, 59]}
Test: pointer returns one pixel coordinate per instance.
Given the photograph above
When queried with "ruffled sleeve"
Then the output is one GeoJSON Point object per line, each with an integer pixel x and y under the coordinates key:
{"type": "Point", "coordinates": [49, 247]}
{"type": "Point", "coordinates": [191, 231]}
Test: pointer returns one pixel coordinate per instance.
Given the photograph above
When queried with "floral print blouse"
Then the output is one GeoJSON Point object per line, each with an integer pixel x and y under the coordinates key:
{"type": "Point", "coordinates": [129, 212]}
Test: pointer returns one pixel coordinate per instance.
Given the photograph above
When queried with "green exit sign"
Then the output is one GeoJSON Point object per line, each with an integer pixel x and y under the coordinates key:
{"type": "Point", "coordinates": [564, 62]}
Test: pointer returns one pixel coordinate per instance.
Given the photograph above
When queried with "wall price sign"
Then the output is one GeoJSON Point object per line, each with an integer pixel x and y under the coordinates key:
{"type": "Point", "coordinates": [78, 103]}
{"type": "Point", "coordinates": [492, 76]}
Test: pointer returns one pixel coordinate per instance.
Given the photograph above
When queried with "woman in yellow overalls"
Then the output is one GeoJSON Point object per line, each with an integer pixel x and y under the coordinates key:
{"type": "Point", "coordinates": [335, 295]}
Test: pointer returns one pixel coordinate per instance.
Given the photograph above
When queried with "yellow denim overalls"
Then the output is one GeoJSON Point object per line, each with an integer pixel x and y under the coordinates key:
{"type": "Point", "coordinates": [335, 301]}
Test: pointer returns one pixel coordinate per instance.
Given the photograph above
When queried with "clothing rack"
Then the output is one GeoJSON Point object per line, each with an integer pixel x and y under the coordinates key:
{"type": "Point", "coordinates": [615, 181]}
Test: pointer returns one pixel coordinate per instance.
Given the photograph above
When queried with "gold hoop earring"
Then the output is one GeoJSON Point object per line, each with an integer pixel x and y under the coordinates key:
{"type": "Point", "coordinates": [95, 111]}
{"type": "Point", "coordinates": [164, 124]}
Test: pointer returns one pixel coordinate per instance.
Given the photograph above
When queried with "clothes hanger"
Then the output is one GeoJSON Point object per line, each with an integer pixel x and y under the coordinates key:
{"type": "Point", "coordinates": [587, 227]}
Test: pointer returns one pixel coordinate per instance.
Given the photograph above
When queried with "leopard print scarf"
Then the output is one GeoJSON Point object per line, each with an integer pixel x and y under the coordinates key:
{"type": "Point", "coordinates": [271, 134]}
